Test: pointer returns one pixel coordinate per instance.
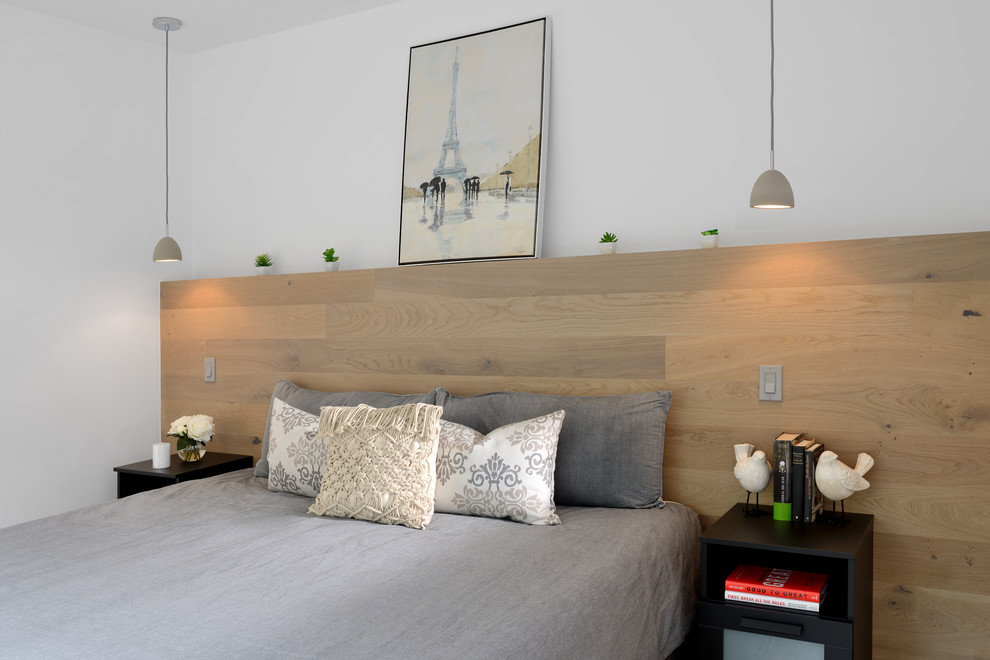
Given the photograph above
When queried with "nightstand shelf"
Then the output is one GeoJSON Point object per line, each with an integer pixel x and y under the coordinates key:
{"type": "Point", "coordinates": [139, 477]}
{"type": "Point", "coordinates": [841, 630]}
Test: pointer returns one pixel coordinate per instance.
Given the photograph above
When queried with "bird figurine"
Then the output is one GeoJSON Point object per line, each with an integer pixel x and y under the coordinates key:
{"type": "Point", "coordinates": [753, 472]}
{"type": "Point", "coordinates": [837, 481]}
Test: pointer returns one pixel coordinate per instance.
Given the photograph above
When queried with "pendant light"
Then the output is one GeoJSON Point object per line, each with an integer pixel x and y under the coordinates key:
{"type": "Point", "coordinates": [167, 249]}
{"type": "Point", "coordinates": [771, 190]}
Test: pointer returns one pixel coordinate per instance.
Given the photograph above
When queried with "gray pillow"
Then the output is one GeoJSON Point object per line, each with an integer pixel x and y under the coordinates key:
{"type": "Point", "coordinates": [312, 400]}
{"type": "Point", "coordinates": [610, 451]}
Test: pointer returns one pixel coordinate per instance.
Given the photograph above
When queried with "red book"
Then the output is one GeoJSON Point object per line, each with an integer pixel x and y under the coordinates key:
{"type": "Point", "coordinates": [777, 582]}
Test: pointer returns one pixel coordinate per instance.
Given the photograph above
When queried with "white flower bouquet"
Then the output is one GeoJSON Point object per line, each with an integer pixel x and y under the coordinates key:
{"type": "Point", "coordinates": [193, 432]}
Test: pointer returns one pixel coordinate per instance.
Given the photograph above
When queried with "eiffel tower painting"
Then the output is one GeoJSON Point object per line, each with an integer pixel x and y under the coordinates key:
{"type": "Point", "coordinates": [480, 103]}
{"type": "Point", "coordinates": [451, 145]}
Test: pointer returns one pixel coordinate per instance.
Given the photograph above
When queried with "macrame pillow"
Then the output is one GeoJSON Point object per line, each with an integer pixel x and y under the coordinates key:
{"type": "Point", "coordinates": [296, 455]}
{"type": "Point", "coordinates": [505, 474]}
{"type": "Point", "coordinates": [381, 463]}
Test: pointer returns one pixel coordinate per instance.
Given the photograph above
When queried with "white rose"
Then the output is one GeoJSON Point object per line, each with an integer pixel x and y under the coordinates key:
{"type": "Point", "coordinates": [180, 426]}
{"type": "Point", "coordinates": [201, 428]}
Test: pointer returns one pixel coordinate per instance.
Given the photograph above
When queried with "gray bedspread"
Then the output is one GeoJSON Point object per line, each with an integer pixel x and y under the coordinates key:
{"type": "Point", "coordinates": [225, 568]}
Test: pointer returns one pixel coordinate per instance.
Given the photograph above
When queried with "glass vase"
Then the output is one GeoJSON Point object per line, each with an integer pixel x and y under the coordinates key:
{"type": "Point", "coordinates": [192, 453]}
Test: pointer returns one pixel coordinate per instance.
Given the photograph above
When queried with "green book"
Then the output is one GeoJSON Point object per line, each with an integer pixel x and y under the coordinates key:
{"type": "Point", "coordinates": [783, 445]}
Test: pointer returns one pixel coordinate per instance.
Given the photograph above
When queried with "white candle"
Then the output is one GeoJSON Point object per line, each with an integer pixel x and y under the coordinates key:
{"type": "Point", "coordinates": [161, 455]}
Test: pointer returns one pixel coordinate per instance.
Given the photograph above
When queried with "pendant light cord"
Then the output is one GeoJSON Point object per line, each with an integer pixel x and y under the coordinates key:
{"type": "Point", "coordinates": [772, 56]}
{"type": "Point", "coordinates": [166, 129]}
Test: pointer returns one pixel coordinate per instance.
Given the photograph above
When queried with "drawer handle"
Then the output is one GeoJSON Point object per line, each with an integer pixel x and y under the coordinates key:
{"type": "Point", "coordinates": [771, 626]}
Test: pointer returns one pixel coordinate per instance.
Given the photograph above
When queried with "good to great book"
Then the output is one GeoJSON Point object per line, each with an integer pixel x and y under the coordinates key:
{"type": "Point", "coordinates": [777, 582]}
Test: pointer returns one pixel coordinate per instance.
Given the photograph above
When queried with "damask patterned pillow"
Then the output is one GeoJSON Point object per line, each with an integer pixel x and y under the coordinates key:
{"type": "Point", "coordinates": [505, 474]}
{"type": "Point", "coordinates": [381, 463]}
{"type": "Point", "coordinates": [296, 455]}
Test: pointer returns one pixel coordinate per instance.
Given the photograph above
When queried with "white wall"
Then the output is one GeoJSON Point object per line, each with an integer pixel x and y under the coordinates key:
{"type": "Point", "coordinates": [81, 205]}
{"type": "Point", "coordinates": [659, 125]}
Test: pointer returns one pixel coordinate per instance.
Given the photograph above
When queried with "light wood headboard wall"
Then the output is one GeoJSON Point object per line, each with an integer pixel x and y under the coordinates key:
{"type": "Point", "coordinates": [885, 345]}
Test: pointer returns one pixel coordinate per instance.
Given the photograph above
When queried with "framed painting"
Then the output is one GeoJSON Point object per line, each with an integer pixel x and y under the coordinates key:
{"type": "Point", "coordinates": [474, 154]}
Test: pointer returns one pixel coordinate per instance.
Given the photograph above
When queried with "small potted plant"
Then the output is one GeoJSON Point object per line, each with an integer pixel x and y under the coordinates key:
{"type": "Point", "coordinates": [709, 238]}
{"type": "Point", "coordinates": [263, 264]}
{"type": "Point", "coordinates": [330, 260]}
{"type": "Point", "coordinates": [608, 243]}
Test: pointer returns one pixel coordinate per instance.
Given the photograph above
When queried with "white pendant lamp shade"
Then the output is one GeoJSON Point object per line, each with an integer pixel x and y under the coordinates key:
{"type": "Point", "coordinates": [167, 249]}
{"type": "Point", "coordinates": [772, 190]}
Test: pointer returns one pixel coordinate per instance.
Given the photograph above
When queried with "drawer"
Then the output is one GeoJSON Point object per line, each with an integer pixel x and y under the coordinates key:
{"type": "Point", "coordinates": [778, 623]}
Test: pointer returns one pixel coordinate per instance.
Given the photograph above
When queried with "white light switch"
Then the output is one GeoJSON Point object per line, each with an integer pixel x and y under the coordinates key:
{"type": "Point", "coordinates": [210, 370]}
{"type": "Point", "coordinates": [771, 385]}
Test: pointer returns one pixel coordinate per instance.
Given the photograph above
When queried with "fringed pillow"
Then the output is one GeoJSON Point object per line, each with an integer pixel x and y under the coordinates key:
{"type": "Point", "coordinates": [381, 463]}
{"type": "Point", "coordinates": [505, 474]}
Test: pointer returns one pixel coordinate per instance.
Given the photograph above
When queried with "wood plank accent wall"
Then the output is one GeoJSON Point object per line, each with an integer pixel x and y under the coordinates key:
{"type": "Point", "coordinates": [885, 345]}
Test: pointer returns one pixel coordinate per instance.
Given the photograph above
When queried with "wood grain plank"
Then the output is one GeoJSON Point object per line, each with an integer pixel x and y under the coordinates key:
{"type": "Point", "coordinates": [907, 465]}
{"type": "Point", "coordinates": [238, 444]}
{"type": "Point", "coordinates": [899, 507]}
{"type": "Point", "coordinates": [728, 312]}
{"type": "Point", "coordinates": [612, 357]}
{"type": "Point", "coordinates": [296, 289]}
{"type": "Point", "coordinates": [877, 359]}
{"type": "Point", "coordinates": [911, 562]}
{"type": "Point", "coordinates": [911, 409]}
{"type": "Point", "coordinates": [279, 321]}
{"type": "Point", "coordinates": [471, 385]}
{"type": "Point", "coordinates": [959, 513]}
{"type": "Point", "coordinates": [233, 418]}
{"type": "Point", "coordinates": [516, 318]}
{"type": "Point", "coordinates": [257, 388]}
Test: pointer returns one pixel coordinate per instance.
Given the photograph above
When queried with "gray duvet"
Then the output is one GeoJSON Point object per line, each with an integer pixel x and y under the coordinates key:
{"type": "Point", "coordinates": [224, 568]}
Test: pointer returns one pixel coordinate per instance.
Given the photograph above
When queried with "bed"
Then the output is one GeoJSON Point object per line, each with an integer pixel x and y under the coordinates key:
{"type": "Point", "coordinates": [227, 567]}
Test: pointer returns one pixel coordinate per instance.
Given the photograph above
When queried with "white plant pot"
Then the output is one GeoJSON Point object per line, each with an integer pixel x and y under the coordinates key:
{"type": "Point", "coordinates": [710, 241]}
{"type": "Point", "coordinates": [329, 266]}
{"type": "Point", "coordinates": [609, 248]}
{"type": "Point", "coordinates": [263, 270]}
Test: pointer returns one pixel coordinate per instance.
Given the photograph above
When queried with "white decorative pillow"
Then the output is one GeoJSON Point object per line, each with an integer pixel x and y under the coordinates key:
{"type": "Point", "coordinates": [381, 463]}
{"type": "Point", "coordinates": [505, 474]}
{"type": "Point", "coordinates": [296, 455]}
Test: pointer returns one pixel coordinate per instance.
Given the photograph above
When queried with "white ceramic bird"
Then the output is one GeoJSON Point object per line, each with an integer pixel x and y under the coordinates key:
{"type": "Point", "coordinates": [753, 472]}
{"type": "Point", "coordinates": [837, 481]}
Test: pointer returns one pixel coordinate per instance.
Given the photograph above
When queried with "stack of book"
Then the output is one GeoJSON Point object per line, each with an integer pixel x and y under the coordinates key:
{"type": "Point", "coordinates": [795, 494]}
{"type": "Point", "coordinates": [797, 590]}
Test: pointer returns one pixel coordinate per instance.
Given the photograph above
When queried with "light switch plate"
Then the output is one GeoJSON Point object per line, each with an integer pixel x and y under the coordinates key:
{"type": "Point", "coordinates": [771, 382]}
{"type": "Point", "coordinates": [210, 370]}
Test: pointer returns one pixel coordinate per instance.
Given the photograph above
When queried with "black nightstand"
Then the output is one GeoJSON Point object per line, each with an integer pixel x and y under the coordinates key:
{"type": "Point", "coordinates": [139, 477]}
{"type": "Point", "coordinates": [842, 630]}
